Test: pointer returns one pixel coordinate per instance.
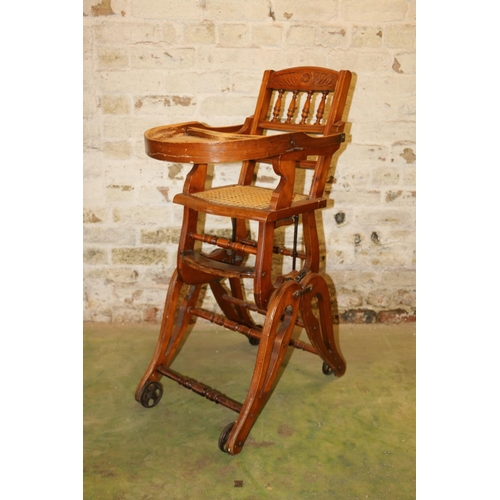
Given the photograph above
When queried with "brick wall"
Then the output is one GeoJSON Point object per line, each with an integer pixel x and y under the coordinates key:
{"type": "Point", "coordinates": [154, 62]}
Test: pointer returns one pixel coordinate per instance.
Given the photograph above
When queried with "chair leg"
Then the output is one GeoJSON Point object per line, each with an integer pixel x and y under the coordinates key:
{"type": "Point", "coordinates": [320, 332]}
{"type": "Point", "coordinates": [173, 327]}
{"type": "Point", "coordinates": [276, 335]}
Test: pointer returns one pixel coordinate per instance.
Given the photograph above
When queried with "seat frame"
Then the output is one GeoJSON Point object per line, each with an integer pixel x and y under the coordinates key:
{"type": "Point", "coordinates": [299, 297]}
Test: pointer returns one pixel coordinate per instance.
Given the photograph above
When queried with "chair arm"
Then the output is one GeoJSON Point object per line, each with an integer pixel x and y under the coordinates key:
{"type": "Point", "coordinates": [337, 127]}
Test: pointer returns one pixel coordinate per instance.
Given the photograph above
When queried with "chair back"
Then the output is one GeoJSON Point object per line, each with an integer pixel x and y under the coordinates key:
{"type": "Point", "coordinates": [307, 99]}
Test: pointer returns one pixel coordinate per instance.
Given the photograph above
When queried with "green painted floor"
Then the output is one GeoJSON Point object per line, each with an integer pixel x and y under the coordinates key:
{"type": "Point", "coordinates": [317, 438]}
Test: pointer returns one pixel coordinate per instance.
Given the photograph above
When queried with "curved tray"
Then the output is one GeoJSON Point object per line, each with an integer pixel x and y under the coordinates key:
{"type": "Point", "coordinates": [194, 142]}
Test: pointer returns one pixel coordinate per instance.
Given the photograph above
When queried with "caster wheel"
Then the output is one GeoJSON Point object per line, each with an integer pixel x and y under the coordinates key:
{"type": "Point", "coordinates": [327, 370]}
{"type": "Point", "coordinates": [253, 341]}
{"type": "Point", "coordinates": [151, 394]}
{"type": "Point", "coordinates": [223, 437]}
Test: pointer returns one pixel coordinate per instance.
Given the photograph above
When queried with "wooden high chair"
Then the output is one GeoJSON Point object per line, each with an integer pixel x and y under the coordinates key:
{"type": "Point", "coordinates": [304, 140]}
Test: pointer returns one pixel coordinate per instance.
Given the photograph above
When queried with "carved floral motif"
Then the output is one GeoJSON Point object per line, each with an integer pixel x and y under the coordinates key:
{"type": "Point", "coordinates": [311, 80]}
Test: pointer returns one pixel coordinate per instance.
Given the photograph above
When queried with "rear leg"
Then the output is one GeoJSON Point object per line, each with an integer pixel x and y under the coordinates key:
{"type": "Point", "coordinates": [320, 330]}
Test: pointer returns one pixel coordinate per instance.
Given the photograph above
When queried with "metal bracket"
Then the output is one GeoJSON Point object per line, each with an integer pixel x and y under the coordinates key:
{"type": "Point", "coordinates": [305, 290]}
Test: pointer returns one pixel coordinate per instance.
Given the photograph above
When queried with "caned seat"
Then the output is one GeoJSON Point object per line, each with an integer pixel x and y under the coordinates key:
{"type": "Point", "coordinates": [297, 124]}
{"type": "Point", "coordinates": [242, 196]}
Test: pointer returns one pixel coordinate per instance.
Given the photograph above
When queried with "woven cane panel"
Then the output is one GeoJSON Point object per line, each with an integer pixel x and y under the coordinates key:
{"type": "Point", "coordinates": [241, 196]}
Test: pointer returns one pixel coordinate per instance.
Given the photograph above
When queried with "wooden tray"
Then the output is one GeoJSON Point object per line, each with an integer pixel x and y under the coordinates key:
{"type": "Point", "coordinates": [194, 142]}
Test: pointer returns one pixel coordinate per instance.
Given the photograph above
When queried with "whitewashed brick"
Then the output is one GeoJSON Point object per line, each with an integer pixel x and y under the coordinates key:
{"type": "Point", "coordinates": [135, 80]}
{"type": "Point", "coordinates": [405, 63]}
{"type": "Point", "coordinates": [125, 275]}
{"type": "Point", "coordinates": [400, 197]}
{"type": "Point", "coordinates": [91, 134]}
{"type": "Point", "coordinates": [389, 98]}
{"type": "Point", "coordinates": [360, 62]}
{"type": "Point", "coordinates": [267, 35]}
{"type": "Point", "coordinates": [333, 36]}
{"type": "Point", "coordinates": [90, 103]}
{"type": "Point", "coordinates": [227, 105]}
{"type": "Point", "coordinates": [130, 127]}
{"type": "Point", "coordinates": [118, 150]}
{"type": "Point", "coordinates": [95, 255]}
{"type": "Point", "coordinates": [411, 15]}
{"type": "Point", "coordinates": [224, 58]}
{"type": "Point", "coordinates": [344, 198]}
{"type": "Point", "coordinates": [153, 195]}
{"type": "Point", "coordinates": [112, 57]}
{"type": "Point", "coordinates": [120, 193]}
{"type": "Point", "coordinates": [301, 35]}
{"type": "Point", "coordinates": [372, 133]}
{"type": "Point", "coordinates": [234, 35]}
{"type": "Point", "coordinates": [386, 176]}
{"type": "Point", "coordinates": [157, 105]}
{"type": "Point", "coordinates": [350, 175]}
{"type": "Point", "coordinates": [256, 10]}
{"type": "Point", "coordinates": [409, 176]}
{"type": "Point", "coordinates": [92, 165]}
{"type": "Point", "coordinates": [95, 215]}
{"type": "Point", "coordinates": [280, 59]}
{"type": "Point", "coordinates": [169, 33]}
{"type": "Point", "coordinates": [199, 82]}
{"type": "Point", "coordinates": [102, 235]}
{"type": "Point", "coordinates": [386, 217]}
{"type": "Point", "coordinates": [402, 277]}
{"type": "Point", "coordinates": [380, 256]}
{"type": "Point", "coordinates": [93, 194]}
{"type": "Point", "coordinates": [362, 156]}
{"type": "Point", "coordinates": [363, 277]}
{"type": "Point", "coordinates": [88, 39]}
{"type": "Point", "coordinates": [400, 36]}
{"type": "Point", "coordinates": [366, 36]}
{"type": "Point", "coordinates": [115, 105]}
{"type": "Point", "coordinates": [381, 11]}
{"type": "Point", "coordinates": [299, 11]}
{"type": "Point", "coordinates": [246, 82]}
{"type": "Point", "coordinates": [167, 9]}
{"type": "Point", "coordinates": [200, 33]}
{"type": "Point", "coordinates": [349, 298]}
{"type": "Point", "coordinates": [119, 33]}
{"type": "Point", "coordinates": [163, 57]}
{"type": "Point", "coordinates": [403, 153]}
{"type": "Point", "coordinates": [141, 215]}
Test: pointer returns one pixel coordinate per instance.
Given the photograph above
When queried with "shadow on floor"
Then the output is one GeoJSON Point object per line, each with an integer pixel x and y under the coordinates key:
{"type": "Point", "coordinates": [317, 438]}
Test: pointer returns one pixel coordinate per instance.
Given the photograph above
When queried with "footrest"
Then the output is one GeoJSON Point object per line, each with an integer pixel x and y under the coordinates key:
{"type": "Point", "coordinates": [201, 389]}
{"type": "Point", "coordinates": [211, 266]}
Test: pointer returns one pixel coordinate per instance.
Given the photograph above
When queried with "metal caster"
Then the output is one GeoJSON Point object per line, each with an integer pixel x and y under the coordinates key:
{"type": "Point", "coordinates": [224, 435]}
{"type": "Point", "coordinates": [151, 394]}
{"type": "Point", "coordinates": [327, 370]}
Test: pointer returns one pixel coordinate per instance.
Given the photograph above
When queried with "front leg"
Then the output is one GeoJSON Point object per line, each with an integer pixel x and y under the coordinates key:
{"type": "Point", "coordinates": [173, 327]}
{"type": "Point", "coordinates": [275, 339]}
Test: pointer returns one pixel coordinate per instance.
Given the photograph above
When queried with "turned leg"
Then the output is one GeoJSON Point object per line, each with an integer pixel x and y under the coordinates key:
{"type": "Point", "coordinates": [174, 324]}
{"type": "Point", "coordinates": [276, 335]}
{"type": "Point", "coordinates": [320, 331]}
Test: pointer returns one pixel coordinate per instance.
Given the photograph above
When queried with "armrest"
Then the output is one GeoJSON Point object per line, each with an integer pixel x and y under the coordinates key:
{"type": "Point", "coordinates": [337, 127]}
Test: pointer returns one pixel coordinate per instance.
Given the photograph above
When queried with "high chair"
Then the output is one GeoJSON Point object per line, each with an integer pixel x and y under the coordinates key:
{"type": "Point", "coordinates": [299, 139]}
